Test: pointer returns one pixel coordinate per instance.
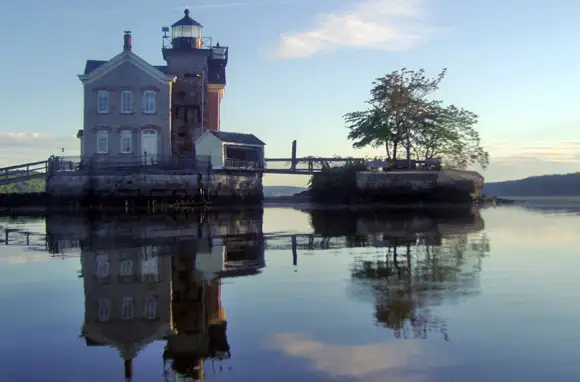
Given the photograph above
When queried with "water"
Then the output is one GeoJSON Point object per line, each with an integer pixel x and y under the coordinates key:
{"type": "Point", "coordinates": [470, 296]}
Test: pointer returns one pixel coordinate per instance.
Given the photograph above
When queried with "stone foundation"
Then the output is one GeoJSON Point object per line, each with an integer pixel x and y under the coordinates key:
{"type": "Point", "coordinates": [218, 187]}
{"type": "Point", "coordinates": [412, 185]}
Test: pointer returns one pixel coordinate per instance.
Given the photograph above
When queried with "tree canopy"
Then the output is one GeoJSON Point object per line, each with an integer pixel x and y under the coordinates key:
{"type": "Point", "coordinates": [403, 119]}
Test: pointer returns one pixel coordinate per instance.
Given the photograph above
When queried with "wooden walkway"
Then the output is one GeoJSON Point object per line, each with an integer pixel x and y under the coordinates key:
{"type": "Point", "coordinates": [278, 241]}
{"type": "Point", "coordinates": [282, 166]}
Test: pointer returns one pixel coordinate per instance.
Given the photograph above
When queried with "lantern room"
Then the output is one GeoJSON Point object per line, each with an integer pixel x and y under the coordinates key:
{"type": "Point", "coordinates": [186, 33]}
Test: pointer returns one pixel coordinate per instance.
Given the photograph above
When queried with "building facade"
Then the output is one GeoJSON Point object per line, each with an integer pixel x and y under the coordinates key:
{"type": "Point", "coordinates": [135, 111]}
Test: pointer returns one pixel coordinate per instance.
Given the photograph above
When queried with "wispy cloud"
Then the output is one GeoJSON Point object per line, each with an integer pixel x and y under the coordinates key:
{"type": "Point", "coordinates": [390, 25]}
{"type": "Point", "coordinates": [516, 161]}
{"type": "Point", "coordinates": [565, 151]}
{"type": "Point", "coordinates": [395, 361]}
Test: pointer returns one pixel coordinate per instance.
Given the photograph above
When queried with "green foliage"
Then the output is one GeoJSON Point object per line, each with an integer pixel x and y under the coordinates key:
{"type": "Point", "coordinates": [449, 133]}
{"type": "Point", "coordinates": [401, 118]}
{"type": "Point", "coordinates": [335, 184]}
{"type": "Point", "coordinates": [31, 186]}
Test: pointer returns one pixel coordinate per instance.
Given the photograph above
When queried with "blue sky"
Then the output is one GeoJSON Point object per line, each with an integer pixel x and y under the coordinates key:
{"type": "Point", "coordinates": [297, 66]}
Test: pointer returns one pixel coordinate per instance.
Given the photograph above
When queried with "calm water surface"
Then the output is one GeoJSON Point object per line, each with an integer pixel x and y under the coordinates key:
{"type": "Point", "coordinates": [289, 295]}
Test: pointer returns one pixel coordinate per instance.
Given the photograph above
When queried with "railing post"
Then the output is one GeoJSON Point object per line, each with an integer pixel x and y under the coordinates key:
{"type": "Point", "coordinates": [293, 165]}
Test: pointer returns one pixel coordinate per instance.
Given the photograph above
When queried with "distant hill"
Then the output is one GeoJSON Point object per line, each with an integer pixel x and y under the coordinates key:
{"type": "Point", "coordinates": [545, 185]}
{"type": "Point", "coordinates": [270, 191]}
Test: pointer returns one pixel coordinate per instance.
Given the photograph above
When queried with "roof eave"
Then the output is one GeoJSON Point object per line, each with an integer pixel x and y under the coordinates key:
{"type": "Point", "coordinates": [103, 69]}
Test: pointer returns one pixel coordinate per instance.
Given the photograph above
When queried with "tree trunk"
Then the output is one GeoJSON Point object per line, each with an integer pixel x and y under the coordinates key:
{"type": "Point", "coordinates": [387, 149]}
{"type": "Point", "coordinates": [408, 148]}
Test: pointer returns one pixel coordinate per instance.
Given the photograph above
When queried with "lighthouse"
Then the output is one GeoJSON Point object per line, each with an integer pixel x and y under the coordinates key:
{"type": "Point", "coordinates": [200, 67]}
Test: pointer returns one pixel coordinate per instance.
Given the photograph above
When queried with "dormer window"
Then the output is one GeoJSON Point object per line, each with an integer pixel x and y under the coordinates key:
{"type": "Point", "coordinates": [102, 101]}
{"type": "Point", "coordinates": [126, 101]}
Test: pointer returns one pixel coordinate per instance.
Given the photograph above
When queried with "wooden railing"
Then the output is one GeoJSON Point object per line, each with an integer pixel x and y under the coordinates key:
{"type": "Point", "coordinates": [242, 164]}
{"type": "Point", "coordinates": [23, 172]}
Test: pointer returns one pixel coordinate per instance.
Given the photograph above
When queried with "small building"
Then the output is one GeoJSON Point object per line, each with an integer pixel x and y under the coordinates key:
{"type": "Point", "coordinates": [231, 150]}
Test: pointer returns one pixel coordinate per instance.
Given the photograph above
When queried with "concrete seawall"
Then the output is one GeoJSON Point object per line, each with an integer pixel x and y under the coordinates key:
{"type": "Point", "coordinates": [443, 185]}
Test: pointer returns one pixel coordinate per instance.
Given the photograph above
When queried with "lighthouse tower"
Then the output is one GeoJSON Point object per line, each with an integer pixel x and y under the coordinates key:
{"type": "Point", "coordinates": [200, 67]}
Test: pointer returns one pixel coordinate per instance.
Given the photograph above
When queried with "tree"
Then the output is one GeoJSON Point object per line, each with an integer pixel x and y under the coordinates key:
{"type": "Point", "coordinates": [401, 116]}
{"type": "Point", "coordinates": [449, 133]}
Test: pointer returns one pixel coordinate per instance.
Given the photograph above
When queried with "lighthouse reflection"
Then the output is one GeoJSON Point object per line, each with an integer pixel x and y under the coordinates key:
{"type": "Point", "coordinates": [171, 291]}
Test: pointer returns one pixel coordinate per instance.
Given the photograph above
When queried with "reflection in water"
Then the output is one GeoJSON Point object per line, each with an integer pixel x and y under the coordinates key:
{"type": "Point", "coordinates": [165, 284]}
{"type": "Point", "coordinates": [153, 278]}
{"type": "Point", "coordinates": [431, 256]}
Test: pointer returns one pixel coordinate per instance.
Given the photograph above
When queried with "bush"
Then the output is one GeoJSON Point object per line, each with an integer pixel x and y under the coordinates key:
{"type": "Point", "coordinates": [335, 184]}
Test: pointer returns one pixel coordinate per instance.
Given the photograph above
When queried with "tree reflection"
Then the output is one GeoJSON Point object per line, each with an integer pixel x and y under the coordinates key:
{"type": "Point", "coordinates": [407, 285]}
{"type": "Point", "coordinates": [430, 257]}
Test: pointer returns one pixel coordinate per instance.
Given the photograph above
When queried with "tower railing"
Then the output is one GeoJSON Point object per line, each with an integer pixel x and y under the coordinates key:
{"type": "Point", "coordinates": [206, 43]}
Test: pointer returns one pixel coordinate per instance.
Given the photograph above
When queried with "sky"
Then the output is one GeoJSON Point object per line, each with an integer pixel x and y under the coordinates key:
{"type": "Point", "coordinates": [296, 66]}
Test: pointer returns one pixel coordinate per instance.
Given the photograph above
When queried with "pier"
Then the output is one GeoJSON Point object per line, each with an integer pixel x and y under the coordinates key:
{"type": "Point", "coordinates": [70, 165]}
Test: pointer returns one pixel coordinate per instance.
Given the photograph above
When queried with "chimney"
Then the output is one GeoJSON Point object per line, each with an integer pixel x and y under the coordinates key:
{"type": "Point", "coordinates": [127, 41]}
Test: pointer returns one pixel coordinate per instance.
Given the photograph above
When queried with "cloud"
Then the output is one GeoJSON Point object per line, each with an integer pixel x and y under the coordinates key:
{"type": "Point", "coordinates": [515, 161]}
{"type": "Point", "coordinates": [390, 25]}
{"type": "Point", "coordinates": [22, 147]}
{"type": "Point", "coordinates": [565, 151]}
{"type": "Point", "coordinates": [395, 361]}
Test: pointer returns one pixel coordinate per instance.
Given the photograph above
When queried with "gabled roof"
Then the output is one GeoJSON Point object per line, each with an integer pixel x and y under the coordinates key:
{"type": "Point", "coordinates": [94, 64]}
{"type": "Point", "coordinates": [239, 138]}
{"type": "Point", "coordinates": [96, 69]}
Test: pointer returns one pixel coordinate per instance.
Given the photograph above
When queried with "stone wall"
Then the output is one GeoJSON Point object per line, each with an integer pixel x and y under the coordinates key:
{"type": "Point", "coordinates": [217, 186]}
{"type": "Point", "coordinates": [128, 230]}
{"type": "Point", "coordinates": [441, 185]}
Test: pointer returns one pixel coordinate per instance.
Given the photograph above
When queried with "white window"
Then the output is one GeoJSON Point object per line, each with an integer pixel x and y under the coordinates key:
{"type": "Point", "coordinates": [126, 101]}
{"type": "Point", "coordinates": [149, 101]}
{"type": "Point", "coordinates": [103, 265]}
{"type": "Point", "coordinates": [149, 268]}
{"type": "Point", "coordinates": [127, 308]}
{"type": "Point", "coordinates": [102, 142]}
{"type": "Point", "coordinates": [150, 308]}
{"type": "Point", "coordinates": [102, 101]}
{"type": "Point", "coordinates": [126, 142]}
{"type": "Point", "coordinates": [126, 268]}
{"type": "Point", "coordinates": [104, 309]}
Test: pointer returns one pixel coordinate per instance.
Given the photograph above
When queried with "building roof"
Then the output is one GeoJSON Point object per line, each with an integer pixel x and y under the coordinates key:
{"type": "Point", "coordinates": [186, 20]}
{"type": "Point", "coordinates": [240, 138]}
{"type": "Point", "coordinates": [96, 69]}
{"type": "Point", "coordinates": [94, 64]}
